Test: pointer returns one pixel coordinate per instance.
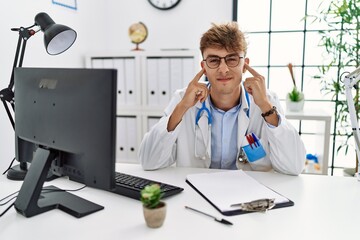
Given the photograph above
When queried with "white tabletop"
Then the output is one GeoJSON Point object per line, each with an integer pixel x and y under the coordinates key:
{"type": "Point", "coordinates": [325, 208]}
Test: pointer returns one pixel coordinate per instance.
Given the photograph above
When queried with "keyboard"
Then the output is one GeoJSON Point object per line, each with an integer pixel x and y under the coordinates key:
{"type": "Point", "coordinates": [130, 186]}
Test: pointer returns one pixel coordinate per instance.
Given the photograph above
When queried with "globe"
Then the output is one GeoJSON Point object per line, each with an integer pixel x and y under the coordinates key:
{"type": "Point", "coordinates": [138, 33]}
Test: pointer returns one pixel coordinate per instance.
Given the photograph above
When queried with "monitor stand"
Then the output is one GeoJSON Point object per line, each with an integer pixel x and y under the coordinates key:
{"type": "Point", "coordinates": [33, 199]}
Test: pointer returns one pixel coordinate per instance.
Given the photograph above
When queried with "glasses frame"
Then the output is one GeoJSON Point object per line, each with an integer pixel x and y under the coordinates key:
{"type": "Point", "coordinates": [227, 56]}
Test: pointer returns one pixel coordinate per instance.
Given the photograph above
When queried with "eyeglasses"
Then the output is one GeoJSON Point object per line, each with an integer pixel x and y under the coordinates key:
{"type": "Point", "coordinates": [231, 60]}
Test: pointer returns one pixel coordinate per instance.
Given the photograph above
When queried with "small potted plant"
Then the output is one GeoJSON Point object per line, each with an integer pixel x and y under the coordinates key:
{"type": "Point", "coordinates": [153, 208]}
{"type": "Point", "coordinates": [295, 98]}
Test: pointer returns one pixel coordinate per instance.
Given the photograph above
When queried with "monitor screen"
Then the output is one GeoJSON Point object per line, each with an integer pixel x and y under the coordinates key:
{"type": "Point", "coordinates": [65, 121]}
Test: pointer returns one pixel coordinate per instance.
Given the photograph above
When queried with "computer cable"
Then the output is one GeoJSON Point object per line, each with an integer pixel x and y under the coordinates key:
{"type": "Point", "coordinates": [4, 203]}
{"type": "Point", "coordinates": [45, 190]}
{"type": "Point", "coordinates": [9, 166]}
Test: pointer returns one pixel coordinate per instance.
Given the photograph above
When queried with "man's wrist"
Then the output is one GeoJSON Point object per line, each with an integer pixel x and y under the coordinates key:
{"type": "Point", "coordinates": [271, 111]}
{"type": "Point", "coordinates": [176, 116]}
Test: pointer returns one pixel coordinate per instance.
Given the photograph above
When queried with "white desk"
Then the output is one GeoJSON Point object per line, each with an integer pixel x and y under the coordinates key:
{"type": "Point", "coordinates": [320, 142]}
{"type": "Point", "coordinates": [325, 208]}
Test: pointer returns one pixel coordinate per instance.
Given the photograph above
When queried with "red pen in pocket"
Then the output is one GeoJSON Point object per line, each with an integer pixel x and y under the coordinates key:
{"type": "Point", "coordinates": [250, 140]}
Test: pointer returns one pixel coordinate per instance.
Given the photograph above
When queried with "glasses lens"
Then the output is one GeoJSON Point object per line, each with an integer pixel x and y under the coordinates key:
{"type": "Point", "coordinates": [213, 62]}
{"type": "Point", "coordinates": [232, 61]}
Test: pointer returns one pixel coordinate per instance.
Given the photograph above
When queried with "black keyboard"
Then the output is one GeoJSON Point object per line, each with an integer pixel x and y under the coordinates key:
{"type": "Point", "coordinates": [130, 186]}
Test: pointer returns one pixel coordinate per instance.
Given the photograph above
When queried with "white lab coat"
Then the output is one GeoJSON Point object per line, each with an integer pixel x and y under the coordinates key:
{"type": "Point", "coordinates": [285, 151]}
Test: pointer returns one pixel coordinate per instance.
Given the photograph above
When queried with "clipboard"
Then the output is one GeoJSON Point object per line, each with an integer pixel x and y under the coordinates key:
{"type": "Point", "coordinates": [226, 188]}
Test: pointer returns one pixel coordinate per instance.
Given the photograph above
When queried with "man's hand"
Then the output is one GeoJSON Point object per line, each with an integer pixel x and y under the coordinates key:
{"type": "Point", "coordinates": [195, 92]}
{"type": "Point", "coordinates": [255, 85]}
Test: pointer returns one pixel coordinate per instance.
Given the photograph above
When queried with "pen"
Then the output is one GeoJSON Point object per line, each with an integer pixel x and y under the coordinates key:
{"type": "Point", "coordinates": [223, 221]}
{"type": "Point", "coordinates": [250, 140]}
{"type": "Point", "coordinates": [256, 140]}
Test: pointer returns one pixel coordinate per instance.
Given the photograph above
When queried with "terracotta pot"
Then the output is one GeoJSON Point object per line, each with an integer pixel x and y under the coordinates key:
{"type": "Point", "coordinates": [154, 217]}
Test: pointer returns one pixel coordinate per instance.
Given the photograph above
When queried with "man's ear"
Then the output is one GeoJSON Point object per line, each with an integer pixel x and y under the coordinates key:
{"type": "Point", "coordinates": [203, 67]}
{"type": "Point", "coordinates": [247, 61]}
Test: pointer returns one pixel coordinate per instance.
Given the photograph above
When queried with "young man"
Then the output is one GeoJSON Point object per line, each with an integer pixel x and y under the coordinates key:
{"type": "Point", "coordinates": [228, 123]}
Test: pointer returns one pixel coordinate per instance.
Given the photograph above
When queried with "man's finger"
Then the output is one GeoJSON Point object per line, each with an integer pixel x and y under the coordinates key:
{"type": "Point", "coordinates": [198, 75]}
{"type": "Point", "coordinates": [251, 70]}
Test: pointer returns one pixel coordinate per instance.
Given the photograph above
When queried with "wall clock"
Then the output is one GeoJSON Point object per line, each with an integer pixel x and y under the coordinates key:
{"type": "Point", "coordinates": [164, 4]}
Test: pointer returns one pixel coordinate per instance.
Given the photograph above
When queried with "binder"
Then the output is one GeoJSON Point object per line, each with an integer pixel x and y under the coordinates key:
{"type": "Point", "coordinates": [188, 70]}
{"type": "Point", "coordinates": [121, 142]}
{"type": "Point", "coordinates": [130, 81]}
{"type": "Point", "coordinates": [176, 76]}
{"type": "Point", "coordinates": [152, 82]}
{"type": "Point", "coordinates": [108, 63]}
{"type": "Point", "coordinates": [164, 81]}
{"type": "Point", "coordinates": [223, 189]}
{"type": "Point", "coordinates": [131, 139]}
{"type": "Point", "coordinates": [121, 90]}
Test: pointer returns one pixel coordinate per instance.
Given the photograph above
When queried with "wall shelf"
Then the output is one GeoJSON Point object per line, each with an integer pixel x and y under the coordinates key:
{"type": "Point", "coordinates": [146, 82]}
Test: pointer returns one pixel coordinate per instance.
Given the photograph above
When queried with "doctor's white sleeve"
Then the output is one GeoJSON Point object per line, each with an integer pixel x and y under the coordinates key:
{"type": "Point", "coordinates": [158, 147]}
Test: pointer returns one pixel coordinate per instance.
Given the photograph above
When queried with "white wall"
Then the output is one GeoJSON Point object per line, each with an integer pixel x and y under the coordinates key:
{"type": "Point", "coordinates": [180, 27]}
{"type": "Point", "coordinates": [102, 27]}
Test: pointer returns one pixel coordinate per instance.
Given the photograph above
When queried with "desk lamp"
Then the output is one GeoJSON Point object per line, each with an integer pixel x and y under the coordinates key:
{"type": "Point", "coordinates": [351, 81]}
{"type": "Point", "coordinates": [57, 39]}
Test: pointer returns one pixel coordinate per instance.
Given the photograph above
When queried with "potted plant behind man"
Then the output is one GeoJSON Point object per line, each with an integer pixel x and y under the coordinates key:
{"type": "Point", "coordinates": [153, 208]}
{"type": "Point", "coordinates": [295, 98]}
{"type": "Point", "coordinates": [342, 47]}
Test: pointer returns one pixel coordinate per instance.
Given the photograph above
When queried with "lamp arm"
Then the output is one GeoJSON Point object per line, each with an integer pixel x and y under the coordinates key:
{"type": "Point", "coordinates": [7, 94]}
{"type": "Point", "coordinates": [24, 35]}
{"type": "Point", "coordinates": [350, 81]}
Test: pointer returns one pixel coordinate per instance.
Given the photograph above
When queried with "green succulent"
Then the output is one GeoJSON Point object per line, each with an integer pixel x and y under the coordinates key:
{"type": "Point", "coordinates": [151, 195]}
{"type": "Point", "coordinates": [295, 95]}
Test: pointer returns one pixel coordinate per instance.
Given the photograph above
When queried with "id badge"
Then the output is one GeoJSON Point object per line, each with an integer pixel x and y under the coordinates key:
{"type": "Point", "coordinates": [254, 150]}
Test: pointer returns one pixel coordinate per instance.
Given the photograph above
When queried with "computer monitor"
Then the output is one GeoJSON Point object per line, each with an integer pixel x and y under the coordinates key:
{"type": "Point", "coordinates": [65, 121]}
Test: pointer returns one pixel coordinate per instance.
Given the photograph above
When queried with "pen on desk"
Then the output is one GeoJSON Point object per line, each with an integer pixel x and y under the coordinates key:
{"type": "Point", "coordinates": [223, 221]}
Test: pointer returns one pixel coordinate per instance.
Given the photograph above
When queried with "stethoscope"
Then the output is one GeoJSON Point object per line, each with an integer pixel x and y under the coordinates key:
{"type": "Point", "coordinates": [209, 117]}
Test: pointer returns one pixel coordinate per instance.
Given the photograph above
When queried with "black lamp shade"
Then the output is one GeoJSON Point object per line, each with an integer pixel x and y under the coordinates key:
{"type": "Point", "coordinates": [57, 38]}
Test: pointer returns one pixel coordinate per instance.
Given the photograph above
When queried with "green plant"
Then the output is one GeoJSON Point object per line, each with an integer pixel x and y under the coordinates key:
{"type": "Point", "coordinates": [295, 95]}
{"type": "Point", "coordinates": [151, 196]}
{"type": "Point", "coordinates": [341, 44]}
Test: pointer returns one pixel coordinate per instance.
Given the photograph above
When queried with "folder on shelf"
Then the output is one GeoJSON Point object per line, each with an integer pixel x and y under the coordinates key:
{"type": "Point", "coordinates": [188, 70]}
{"type": "Point", "coordinates": [108, 63]}
{"type": "Point", "coordinates": [119, 65]}
{"type": "Point", "coordinates": [131, 139]}
{"type": "Point", "coordinates": [130, 81]}
{"type": "Point", "coordinates": [176, 75]}
{"type": "Point", "coordinates": [152, 82]}
{"type": "Point", "coordinates": [164, 81]}
{"type": "Point", "coordinates": [121, 141]}
{"type": "Point", "coordinates": [227, 188]}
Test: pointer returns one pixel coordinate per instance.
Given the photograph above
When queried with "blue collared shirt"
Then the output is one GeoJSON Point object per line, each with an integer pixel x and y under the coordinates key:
{"type": "Point", "coordinates": [224, 131]}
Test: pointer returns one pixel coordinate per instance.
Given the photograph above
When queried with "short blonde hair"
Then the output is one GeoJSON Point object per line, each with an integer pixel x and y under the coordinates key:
{"type": "Point", "coordinates": [226, 36]}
